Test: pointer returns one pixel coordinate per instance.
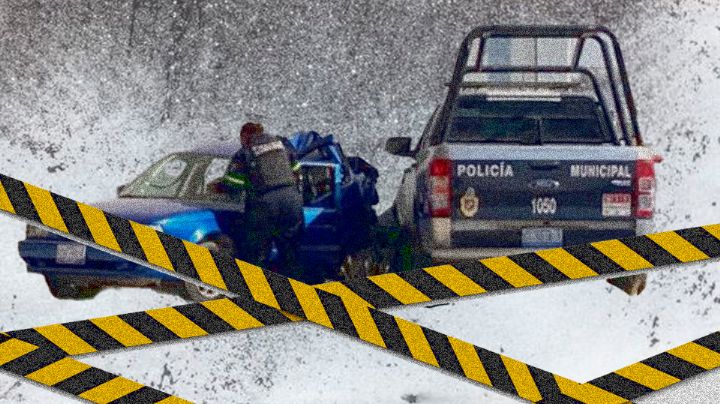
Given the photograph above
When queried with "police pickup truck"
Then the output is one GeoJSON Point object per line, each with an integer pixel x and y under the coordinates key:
{"type": "Point", "coordinates": [536, 146]}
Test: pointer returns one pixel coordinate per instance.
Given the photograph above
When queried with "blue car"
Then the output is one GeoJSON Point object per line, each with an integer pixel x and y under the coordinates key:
{"type": "Point", "coordinates": [176, 196]}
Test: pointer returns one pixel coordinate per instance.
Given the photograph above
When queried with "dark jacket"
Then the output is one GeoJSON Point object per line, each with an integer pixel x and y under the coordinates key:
{"type": "Point", "coordinates": [268, 163]}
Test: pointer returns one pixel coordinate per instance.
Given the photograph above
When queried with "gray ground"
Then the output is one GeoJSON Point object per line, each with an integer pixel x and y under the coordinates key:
{"type": "Point", "coordinates": [91, 92]}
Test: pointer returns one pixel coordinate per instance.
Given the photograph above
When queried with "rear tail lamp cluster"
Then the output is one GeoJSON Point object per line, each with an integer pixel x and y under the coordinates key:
{"type": "Point", "coordinates": [440, 187]}
{"type": "Point", "coordinates": [644, 188]}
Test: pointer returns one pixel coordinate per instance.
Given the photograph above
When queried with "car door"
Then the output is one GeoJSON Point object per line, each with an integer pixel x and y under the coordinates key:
{"type": "Point", "coordinates": [322, 237]}
{"type": "Point", "coordinates": [408, 199]}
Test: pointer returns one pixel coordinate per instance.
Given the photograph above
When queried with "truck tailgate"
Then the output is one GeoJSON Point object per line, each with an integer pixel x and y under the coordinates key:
{"type": "Point", "coordinates": [527, 195]}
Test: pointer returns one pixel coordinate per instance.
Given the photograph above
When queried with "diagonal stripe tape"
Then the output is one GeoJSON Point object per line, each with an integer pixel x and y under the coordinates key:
{"type": "Point", "coordinates": [470, 361]}
{"type": "Point", "coordinates": [46, 366]}
{"type": "Point", "coordinates": [622, 255]}
{"type": "Point", "coordinates": [176, 322]}
{"type": "Point", "coordinates": [121, 331]}
{"type": "Point", "coordinates": [14, 348]}
{"type": "Point", "coordinates": [258, 284]}
{"type": "Point", "coordinates": [151, 245]}
{"type": "Point", "coordinates": [205, 265]}
{"type": "Point", "coordinates": [566, 263]}
{"type": "Point", "coordinates": [111, 390]}
{"type": "Point", "coordinates": [5, 200]}
{"type": "Point", "coordinates": [99, 226]}
{"type": "Point", "coordinates": [173, 400]}
{"type": "Point", "coordinates": [455, 280]}
{"type": "Point", "coordinates": [232, 314]}
{"type": "Point", "coordinates": [697, 355]}
{"type": "Point", "coordinates": [59, 335]}
{"type": "Point", "coordinates": [647, 376]}
{"type": "Point", "coordinates": [398, 288]}
{"type": "Point", "coordinates": [346, 294]}
{"type": "Point", "coordinates": [311, 304]}
{"type": "Point", "coordinates": [522, 379]}
{"type": "Point", "coordinates": [586, 393]}
{"type": "Point", "coordinates": [46, 208]}
{"type": "Point", "coordinates": [355, 307]}
{"type": "Point", "coordinates": [58, 371]}
{"type": "Point", "coordinates": [417, 342]}
{"type": "Point", "coordinates": [713, 229]}
{"type": "Point", "coordinates": [678, 246]}
{"type": "Point", "coordinates": [514, 274]}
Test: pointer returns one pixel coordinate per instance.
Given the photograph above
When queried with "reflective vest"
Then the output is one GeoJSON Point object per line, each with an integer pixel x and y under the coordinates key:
{"type": "Point", "coordinates": [270, 165]}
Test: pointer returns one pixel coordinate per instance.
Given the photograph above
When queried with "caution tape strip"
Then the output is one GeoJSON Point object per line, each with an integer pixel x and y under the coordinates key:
{"type": "Point", "coordinates": [340, 309]}
{"type": "Point", "coordinates": [539, 268]}
{"type": "Point", "coordinates": [54, 369]}
{"type": "Point", "coordinates": [463, 359]}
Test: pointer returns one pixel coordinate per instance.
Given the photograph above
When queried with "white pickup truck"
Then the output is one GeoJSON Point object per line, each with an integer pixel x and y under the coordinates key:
{"type": "Point", "coordinates": [535, 146]}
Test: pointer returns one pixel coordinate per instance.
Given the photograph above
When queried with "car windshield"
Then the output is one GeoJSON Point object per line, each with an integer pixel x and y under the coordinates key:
{"type": "Point", "coordinates": [476, 119]}
{"type": "Point", "coordinates": [180, 176]}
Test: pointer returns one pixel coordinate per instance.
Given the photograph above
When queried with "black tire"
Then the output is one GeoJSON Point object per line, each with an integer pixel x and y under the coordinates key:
{"type": "Point", "coordinates": [198, 293]}
{"type": "Point", "coordinates": [66, 287]}
{"type": "Point", "coordinates": [364, 263]}
{"type": "Point", "coordinates": [633, 285]}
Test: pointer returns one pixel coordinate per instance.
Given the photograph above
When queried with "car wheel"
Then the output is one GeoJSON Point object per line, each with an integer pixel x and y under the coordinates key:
{"type": "Point", "coordinates": [63, 287]}
{"type": "Point", "coordinates": [633, 285]}
{"type": "Point", "coordinates": [364, 263]}
{"type": "Point", "coordinates": [199, 293]}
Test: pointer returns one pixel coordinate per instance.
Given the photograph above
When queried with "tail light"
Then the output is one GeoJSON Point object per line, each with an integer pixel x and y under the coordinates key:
{"type": "Point", "coordinates": [644, 188]}
{"type": "Point", "coordinates": [440, 188]}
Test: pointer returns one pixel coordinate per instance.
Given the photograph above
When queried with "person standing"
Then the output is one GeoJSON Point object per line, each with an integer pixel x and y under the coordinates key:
{"type": "Point", "coordinates": [264, 171]}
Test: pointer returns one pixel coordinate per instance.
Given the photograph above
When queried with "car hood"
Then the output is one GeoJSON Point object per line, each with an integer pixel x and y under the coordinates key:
{"type": "Point", "coordinates": [146, 210]}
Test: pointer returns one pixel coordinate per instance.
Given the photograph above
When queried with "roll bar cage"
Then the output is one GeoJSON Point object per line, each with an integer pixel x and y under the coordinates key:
{"type": "Point", "coordinates": [610, 49]}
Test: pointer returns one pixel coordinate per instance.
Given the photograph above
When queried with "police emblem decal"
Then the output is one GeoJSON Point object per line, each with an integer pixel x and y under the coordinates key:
{"type": "Point", "coordinates": [469, 203]}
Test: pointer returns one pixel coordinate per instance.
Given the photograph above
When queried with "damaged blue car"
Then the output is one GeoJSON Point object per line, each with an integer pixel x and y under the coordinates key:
{"type": "Point", "coordinates": [175, 195]}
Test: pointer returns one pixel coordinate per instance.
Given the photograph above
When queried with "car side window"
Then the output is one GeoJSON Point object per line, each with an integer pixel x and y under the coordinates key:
{"type": "Point", "coordinates": [318, 185]}
{"type": "Point", "coordinates": [215, 171]}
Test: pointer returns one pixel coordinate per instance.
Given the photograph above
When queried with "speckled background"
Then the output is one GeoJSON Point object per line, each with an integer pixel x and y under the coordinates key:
{"type": "Point", "coordinates": [92, 92]}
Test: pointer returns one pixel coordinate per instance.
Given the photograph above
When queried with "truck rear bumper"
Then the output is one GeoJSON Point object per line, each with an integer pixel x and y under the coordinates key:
{"type": "Point", "coordinates": [441, 249]}
{"type": "Point", "coordinates": [446, 255]}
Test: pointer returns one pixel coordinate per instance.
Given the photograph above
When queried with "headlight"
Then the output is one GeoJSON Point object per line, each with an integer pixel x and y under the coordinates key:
{"type": "Point", "coordinates": [36, 232]}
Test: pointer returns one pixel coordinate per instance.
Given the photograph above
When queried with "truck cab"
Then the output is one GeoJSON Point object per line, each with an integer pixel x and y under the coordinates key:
{"type": "Point", "coordinates": [536, 145]}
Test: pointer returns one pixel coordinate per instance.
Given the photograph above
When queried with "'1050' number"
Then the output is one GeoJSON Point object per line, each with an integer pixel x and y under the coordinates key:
{"type": "Point", "coordinates": [544, 205]}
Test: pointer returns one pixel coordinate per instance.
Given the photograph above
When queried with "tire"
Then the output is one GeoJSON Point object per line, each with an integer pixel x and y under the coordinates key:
{"type": "Point", "coordinates": [364, 263]}
{"type": "Point", "coordinates": [633, 285]}
{"type": "Point", "coordinates": [198, 293]}
{"type": "Point", "coordinates": [69, 288]}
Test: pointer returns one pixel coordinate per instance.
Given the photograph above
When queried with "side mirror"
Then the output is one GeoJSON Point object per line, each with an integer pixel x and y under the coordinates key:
{"type": "Point", "coordinates": [120, 189]}
{"type": "Point", "coordinates": [399, 146]}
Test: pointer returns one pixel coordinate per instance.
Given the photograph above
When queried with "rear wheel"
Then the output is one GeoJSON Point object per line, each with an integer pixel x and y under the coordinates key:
{"type": "Point", "coordinates": [633, 285]}
{"type": "Point", "coordinates": [198, 293]}
{"type": "Point", "coordinates": [65, 287]}
{"type": "Point", "coordinates": [364, 263]}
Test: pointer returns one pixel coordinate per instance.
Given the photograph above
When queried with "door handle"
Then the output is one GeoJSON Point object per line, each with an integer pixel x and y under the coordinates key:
{"type": "Point", "coordinates": [544, 165]}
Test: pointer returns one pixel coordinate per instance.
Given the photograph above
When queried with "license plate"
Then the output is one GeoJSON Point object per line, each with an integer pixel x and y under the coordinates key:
{"type": "Point", "coordinates": [545, 237]}
{"type": "Point", "coordinates": [616, 205]}
{"type": "Point", "coordinates": [70, 253]}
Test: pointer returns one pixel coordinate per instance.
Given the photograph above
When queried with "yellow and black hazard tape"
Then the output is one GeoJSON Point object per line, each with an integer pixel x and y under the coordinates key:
{"type": "Point", "coordinates": [463, 359]}
{"type": "Point", "coordinates": [52, 368]}
{"type": "Point", "coordinates": [602, 258]}
{"type": "Point", "coordinates": [340, 309]}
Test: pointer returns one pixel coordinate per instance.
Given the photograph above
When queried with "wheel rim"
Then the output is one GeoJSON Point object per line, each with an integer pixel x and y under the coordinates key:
{"type": "Point", "coordinates": [206, 292]}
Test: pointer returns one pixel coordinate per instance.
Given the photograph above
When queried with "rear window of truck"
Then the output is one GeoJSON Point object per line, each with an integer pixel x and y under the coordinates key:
{"type": "Point", "coordinates": [572, 120]}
